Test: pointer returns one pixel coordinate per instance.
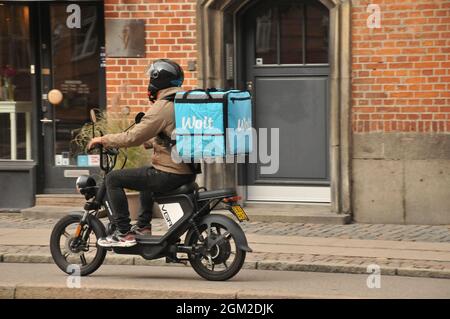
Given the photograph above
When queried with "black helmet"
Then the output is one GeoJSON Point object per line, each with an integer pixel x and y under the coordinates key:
{"type": "Point", "coordinates": [163, 74]}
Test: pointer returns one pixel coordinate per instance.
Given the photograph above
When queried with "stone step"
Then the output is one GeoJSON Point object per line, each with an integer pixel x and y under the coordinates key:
{"type": "Point", "coordinates": [60, 200]}
{"type": "Point", "coordinates": [75, 202]}
{"type": "Point", "coordinates": [298, 214]}
{"type": "Point", "coordinates": [294, 213]}
{"type": "Point", "coordinates": [42, 211]}
{"type": "Point", "coordinates": [56, 212]}
{"type": "Point", "coordinates": [57, 205]}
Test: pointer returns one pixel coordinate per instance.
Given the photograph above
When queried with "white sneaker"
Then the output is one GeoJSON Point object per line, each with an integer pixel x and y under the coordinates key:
{"type": "Point", "coordinates": [117, 239]}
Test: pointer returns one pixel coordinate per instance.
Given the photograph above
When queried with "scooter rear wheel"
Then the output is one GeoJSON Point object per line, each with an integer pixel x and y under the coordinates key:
{"type": "Point", "coordinates": [223, 260]}
{"type": "Point", "coordinates": [77, 259]}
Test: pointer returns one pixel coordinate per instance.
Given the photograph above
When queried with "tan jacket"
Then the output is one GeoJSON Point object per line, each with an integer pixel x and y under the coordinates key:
{"type": "Point", "coordinates": [159, 118]}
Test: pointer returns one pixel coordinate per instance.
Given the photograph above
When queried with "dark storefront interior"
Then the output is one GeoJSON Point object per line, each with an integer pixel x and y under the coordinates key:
{"type": "Point", "coordinates": [45, 46]}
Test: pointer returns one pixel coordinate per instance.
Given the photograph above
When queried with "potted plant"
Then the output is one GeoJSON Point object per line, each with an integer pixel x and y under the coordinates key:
{"type": "Point", "coordinates": [115, 122]}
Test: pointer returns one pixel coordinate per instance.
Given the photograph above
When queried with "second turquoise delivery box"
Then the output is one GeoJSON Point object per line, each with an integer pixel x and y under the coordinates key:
{"type": "Point", "coordinates": [213, 123]}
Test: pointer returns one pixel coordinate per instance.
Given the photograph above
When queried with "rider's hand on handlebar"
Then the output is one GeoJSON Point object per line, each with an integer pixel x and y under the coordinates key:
{"type": "Point", "coordinates": [95, 142]}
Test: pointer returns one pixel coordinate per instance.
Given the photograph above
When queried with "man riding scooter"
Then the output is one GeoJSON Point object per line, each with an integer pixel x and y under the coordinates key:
{"type": "Point", "coordinates": [166, 78]}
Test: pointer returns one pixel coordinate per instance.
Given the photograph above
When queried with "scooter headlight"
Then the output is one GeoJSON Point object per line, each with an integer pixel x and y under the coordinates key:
{"type": "Point", "coordinates": [84, 181]}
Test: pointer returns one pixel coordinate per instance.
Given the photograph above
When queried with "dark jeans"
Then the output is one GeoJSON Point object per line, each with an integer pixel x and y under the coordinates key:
{"type": "Point", "coordinates": [147, 180]}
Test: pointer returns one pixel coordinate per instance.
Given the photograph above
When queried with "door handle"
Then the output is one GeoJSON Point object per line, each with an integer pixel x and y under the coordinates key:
{"type": "Point", "coordinates": [46, 120]}
{"type": "Point", "coordinates": [250, 86]}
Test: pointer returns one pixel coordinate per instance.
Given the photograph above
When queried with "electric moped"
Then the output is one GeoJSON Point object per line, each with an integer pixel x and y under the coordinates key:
{"type": "Point", "coordinates": [213, 244]}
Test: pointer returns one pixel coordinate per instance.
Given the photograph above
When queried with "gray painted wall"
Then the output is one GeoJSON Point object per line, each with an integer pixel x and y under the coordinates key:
{"type": "Point", "coordinates": [401, 178]}
{"type": "Point", "coordinates": [17, 187]}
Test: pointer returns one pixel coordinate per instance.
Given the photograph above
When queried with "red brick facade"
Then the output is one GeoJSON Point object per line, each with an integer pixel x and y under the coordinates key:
{"type": "Point", "coordinates": [401, 71]}
{"type": "Point", "coordinates": [170, 29]}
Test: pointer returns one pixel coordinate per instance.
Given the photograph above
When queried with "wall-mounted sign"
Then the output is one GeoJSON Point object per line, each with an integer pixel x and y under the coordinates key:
{"type": "Point", "coordinates": [94, 160]}
{"type": "Point", "coordinates": [74, 173]}
{"type": "Point", "coordinates": [125, 38]}
{"type": "Point", "coordinates": [62, 159]}
{"type": "Point", "coordinates": [229, 54]}
{"type": "Point", "coordinates": [88, 160]}
{"type": "Point", "coordinates": [76, 86]}
{"type": "Point", "coordinates": [82, 160]}
{"type": "Point", "coordinates": [102, 57]}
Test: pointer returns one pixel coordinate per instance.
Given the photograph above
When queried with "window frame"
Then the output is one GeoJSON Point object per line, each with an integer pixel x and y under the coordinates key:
{"type": "Point", "coordinates": [276, 9]}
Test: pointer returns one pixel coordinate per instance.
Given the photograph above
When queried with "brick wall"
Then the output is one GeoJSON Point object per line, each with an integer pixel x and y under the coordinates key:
{"type": "Point", "coordinates": [401, 71]}
{"type": "Point", "coordinates": [170, 29]}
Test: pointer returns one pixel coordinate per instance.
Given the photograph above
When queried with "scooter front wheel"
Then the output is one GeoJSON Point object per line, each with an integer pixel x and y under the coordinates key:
{"type": "Point", "coordinates": [78, 255]}
{"type": "Point", "coordinates": [220, 262]}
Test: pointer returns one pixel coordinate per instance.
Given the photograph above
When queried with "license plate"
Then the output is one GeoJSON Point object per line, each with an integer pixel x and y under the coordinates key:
{"type": "Point", "coordinates": [238, 211]}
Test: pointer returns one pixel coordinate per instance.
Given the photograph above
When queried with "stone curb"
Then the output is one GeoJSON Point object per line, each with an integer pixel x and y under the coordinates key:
{"type": "Point", "coordinates": [324, 267]}
{"type": "Point", "coordinates": [256, 265]}
{"type": "Point", "coordinates": [27, 258]}
{"type": "Point", "coordinates": [7, 292]}
{"type": "Point", "coordinates": [22, 291]}
{"type": "Point", "coordinates": [413, 272]}
{"type": "Point", "coordinates": [48, 292]}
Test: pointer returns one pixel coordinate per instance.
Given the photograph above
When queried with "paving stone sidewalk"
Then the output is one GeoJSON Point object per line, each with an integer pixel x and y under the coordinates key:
{"type": "Point", "coordinates": [420, 233]}
{"type": "Point", "coordinates": [273, 260]}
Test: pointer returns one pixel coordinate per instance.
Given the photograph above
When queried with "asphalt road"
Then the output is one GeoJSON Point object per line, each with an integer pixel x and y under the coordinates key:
{"type": "Point", "coordinates": [120, 281]}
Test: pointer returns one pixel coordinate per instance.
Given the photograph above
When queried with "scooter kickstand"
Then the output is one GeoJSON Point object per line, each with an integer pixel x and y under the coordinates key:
{"type": "Point", "coordinates": [176, 260]}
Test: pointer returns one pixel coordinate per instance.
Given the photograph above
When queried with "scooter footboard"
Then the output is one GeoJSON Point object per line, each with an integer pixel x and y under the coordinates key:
{"type": "Point", "coordinates": [146, 251]}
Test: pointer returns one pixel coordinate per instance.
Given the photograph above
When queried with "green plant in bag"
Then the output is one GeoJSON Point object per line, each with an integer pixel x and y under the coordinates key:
{"type": "Point", "coordinates": [110, 123]}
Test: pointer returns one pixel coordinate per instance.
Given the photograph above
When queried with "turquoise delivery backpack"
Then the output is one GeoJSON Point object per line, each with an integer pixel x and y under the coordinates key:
{"type": "Point", "coordinates": [213, 123]}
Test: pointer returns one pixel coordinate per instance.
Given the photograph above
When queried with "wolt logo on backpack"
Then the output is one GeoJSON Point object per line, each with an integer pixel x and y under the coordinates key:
{"type": "Point", "coordinates": [196, 123]}
{"type": "Point", "coordinates": [213, 124]}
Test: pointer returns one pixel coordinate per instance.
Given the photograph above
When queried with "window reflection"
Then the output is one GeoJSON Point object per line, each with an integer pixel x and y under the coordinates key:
{"type": "Point", "coordinates": [75, 66]}
{"type": "Point", "coordinates": [15, 83]}
{"type": "Point", "coordinates": [15, 53]}
{"type": "Point", "coordinates": [266, 37]}
{"type": "Point", "coordinates": [317, 24]}
{"type": "Point", "coordinates": [5, 136]}
{"type": "Point", "coordinates": [300, 28]}
{"type": "Point", "coordinates": [291, 34]}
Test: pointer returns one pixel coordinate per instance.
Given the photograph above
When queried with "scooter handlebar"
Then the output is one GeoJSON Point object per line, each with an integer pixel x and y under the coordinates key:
{"type": "Point", "coordinates": [112, 151]}
{"type": "Point", "coordinates": [96, 146]}
{"type": "Point", "coordinates": [109, 151]}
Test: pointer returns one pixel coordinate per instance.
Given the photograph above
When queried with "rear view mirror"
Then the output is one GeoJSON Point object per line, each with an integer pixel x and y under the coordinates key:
{"type": "Point", "coordinates": [93, 116]}
{"type": "Point", "coordinates": [139, 117]}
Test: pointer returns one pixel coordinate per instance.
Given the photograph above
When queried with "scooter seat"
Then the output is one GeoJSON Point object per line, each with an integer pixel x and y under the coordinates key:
{"type": "Point", "coordinates": [227, 192]}
{"type": "Point", "coordinates": [183, 189]}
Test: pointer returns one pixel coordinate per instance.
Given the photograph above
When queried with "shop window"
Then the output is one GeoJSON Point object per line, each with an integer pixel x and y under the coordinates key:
{"type": "Point", "coordinates": [15, 83]}
{"type": "Point", "coordinates": [86, 41]}
{"type": "Point", "coordinates": [75, 71]}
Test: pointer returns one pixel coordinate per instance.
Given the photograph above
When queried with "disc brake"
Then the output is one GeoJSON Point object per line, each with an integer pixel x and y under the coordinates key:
{"type": "Point", "coordinates": [217, 241]}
